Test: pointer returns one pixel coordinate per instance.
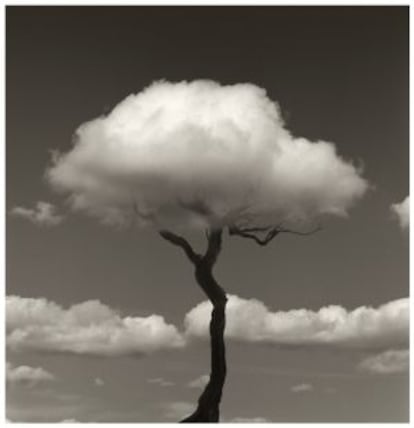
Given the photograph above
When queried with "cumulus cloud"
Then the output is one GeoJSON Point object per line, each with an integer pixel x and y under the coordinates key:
{"type": "Point", "coordinates": [44, 214]}
{"type": "Point", "coordinates": [402, 212]}
{"type": "Point", "coordinates": [302, 387]}
{"type": "Point", "coordinates": [199, 153]}
{"type": "Point", "coordinates": [199, 382]}
{"type": "Point", "coordinates": [26, 375]}
{"type": "Point", "coordinates": [364, 327]}
{"type": "Point", "coordinates": [388, 362]}
{"type": "Point", "coordinates": [92, 328]}
{"type": "Point", "coordinates": [89, 328]}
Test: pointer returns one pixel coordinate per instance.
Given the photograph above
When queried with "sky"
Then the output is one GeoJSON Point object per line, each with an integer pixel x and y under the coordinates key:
{"type": "Point", "coordinates": [340, 74]}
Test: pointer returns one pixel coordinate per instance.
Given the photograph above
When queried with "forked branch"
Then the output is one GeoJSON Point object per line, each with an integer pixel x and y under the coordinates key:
{"type": "Point", "coordinates": [181, 242]}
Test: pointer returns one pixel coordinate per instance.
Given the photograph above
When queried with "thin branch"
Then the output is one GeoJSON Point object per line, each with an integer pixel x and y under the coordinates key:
{"type": "Point", "coordinates": [181, 242]}
{"type": "Point", "coordinates": [250, 233]}
{"type": "Point", "coordinates": [298, 232]}
{"type": "Point", "coordinates": [272, 232]}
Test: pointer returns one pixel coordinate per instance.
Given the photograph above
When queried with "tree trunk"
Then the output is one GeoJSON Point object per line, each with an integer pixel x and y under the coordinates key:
{"type": "Point", "coordinates": [209, 401]}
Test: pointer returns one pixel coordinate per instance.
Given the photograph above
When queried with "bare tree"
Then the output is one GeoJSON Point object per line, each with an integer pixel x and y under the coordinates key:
{"type": "Point", "coordinates": [209, 401]}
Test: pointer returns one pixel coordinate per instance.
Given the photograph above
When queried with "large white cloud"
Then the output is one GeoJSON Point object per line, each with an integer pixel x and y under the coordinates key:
{"type": "Point", "coordinates": [364, 327]}
{"type": "Point", "coordinates": [26, 375]}
{"type": "Point", "coordinates": [388, 362]}
{"type": "Point", "coordinates": [197, 152]}
{"type": "Point", "coordinates": [402, 212]}
{"type": "Point", "coordinates": [90, 328]}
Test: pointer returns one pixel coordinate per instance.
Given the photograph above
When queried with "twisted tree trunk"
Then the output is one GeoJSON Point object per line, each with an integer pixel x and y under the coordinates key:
{"type": "Point", "coordinates": [209, 401]}
{"type": "Point", "coordinates": [208, 409]}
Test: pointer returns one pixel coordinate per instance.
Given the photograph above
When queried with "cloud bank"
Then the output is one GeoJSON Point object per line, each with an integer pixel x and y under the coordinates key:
{"type": "Point", "coordinates": [89, 328]}
{"type": "Point", "coordinates": [388, 362]}
{"type": "Point", "coordinates": [365, 327]}
{"type": "Point", "coordinates": [199, 153]}
{"type": "Point", "coordinates": [26, 375]}
{"type": "Point", "coordinates": [44, 214]}
{"type": "Point", "coordinates": [92, 328]}
{"type": "Point", "coordinates": [402, 212]}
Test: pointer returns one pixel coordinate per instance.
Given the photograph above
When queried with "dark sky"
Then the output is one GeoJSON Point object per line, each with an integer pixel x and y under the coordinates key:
{"type": "Point", "coordinates": [339, 73]}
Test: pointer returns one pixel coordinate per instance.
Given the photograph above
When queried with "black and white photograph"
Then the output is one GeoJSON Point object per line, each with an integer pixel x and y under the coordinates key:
{"type": "Point", "coordinates": [206, 213]}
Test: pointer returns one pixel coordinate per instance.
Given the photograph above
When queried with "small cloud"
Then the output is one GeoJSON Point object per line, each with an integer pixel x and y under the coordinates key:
{"type": "Point", "coordinates": [302, 387]}
{"type": "Point", "coordinates": [44, 214]}
{"type": "Point", "coordinates": [178, 409]}
{"type": "Point", "coordinates": [254, 420]}
{"type": "Point", "coordinates": [388, 362]}
{"type": "Point", "coordinates": [199, 382]}
{"type": "Point", "coordinates": [26, 375]}
{"type": "Point", "coordinates": [99, 382]}
{"type": "Point", "coordinates": [160, 381]}
{"type": "Point", "coordinates": [402, 212]}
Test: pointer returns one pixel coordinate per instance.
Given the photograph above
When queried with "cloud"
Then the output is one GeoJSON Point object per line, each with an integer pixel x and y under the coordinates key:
{"type": "Point", "coordinates": [302, 387]}
{"type": "Point", "coordinates": [254, 420]}
{"type": "Point", "coordinates": [99, 382]}
{"type": "Point", "coordinates": [365, 327]}
{"type": "Point", "coordinates": [26, 375]}
{"type": "Point", "coordinates": [92, 328]}
{"type": "Point", "coordinates": [89, 328]}
{"type": "Point", "coordinates": [402, 212]}
{"type": "Point", "coordinates": [178, 410]}
{"type": "Point", "coordinates": [388, 362]}
{"type": "Point", "coordinates": [44, 214]}
{"type": "Point", "coordinates": [199, 382]}
{"type": "Point", "coordinates": [160, 381]}
{"type": "Point", "coordinates": [197, 153]}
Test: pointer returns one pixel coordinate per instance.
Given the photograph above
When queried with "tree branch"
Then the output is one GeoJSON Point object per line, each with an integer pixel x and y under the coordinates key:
{"type": "Point", "coordinates": [181, 242]}
{"type": "Point", "coordinates": [272, 232]}
{"type": "Point", "coordinates": [298, 232]}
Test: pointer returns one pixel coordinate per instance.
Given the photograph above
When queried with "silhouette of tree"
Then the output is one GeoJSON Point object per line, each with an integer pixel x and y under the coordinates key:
{"type": "Point", "coordinates": [209, 401]}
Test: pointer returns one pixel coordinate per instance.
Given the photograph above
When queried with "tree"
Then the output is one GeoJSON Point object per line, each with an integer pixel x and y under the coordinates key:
{"type": "Point", "coordinates": [199, 155]}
